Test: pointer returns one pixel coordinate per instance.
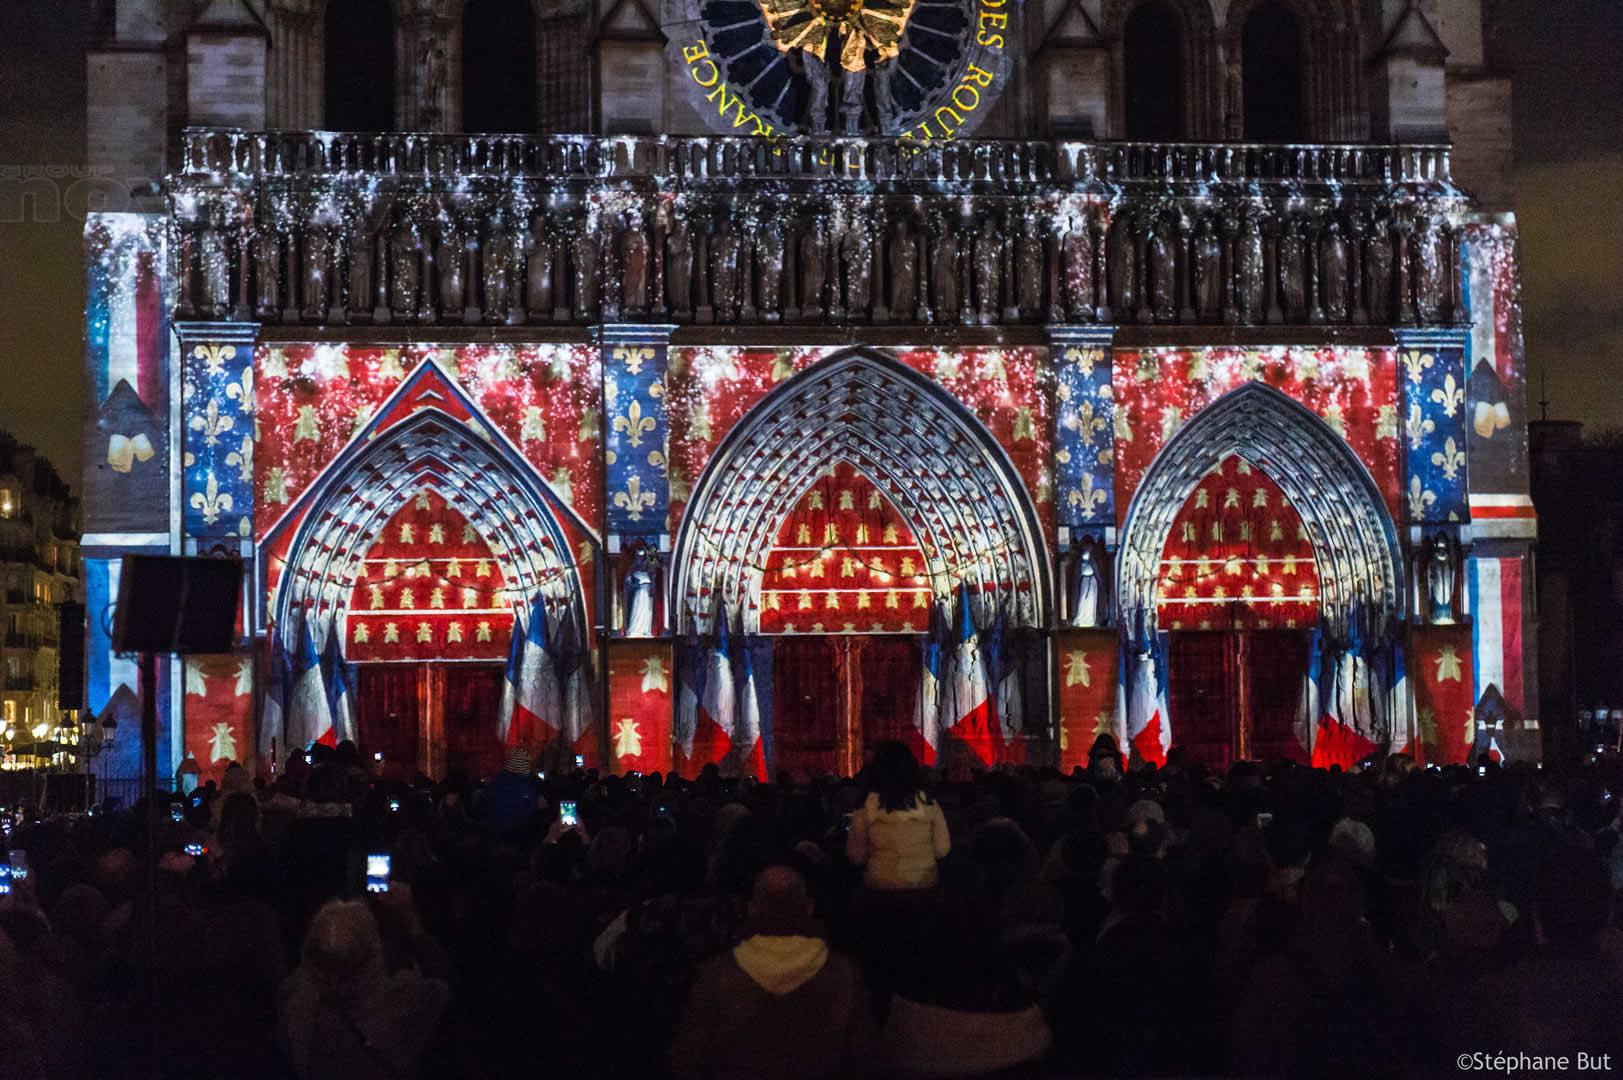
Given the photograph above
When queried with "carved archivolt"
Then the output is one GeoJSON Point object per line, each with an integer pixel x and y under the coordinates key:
{"type": "Point", "coordinates": [1354, 542]}
{"type": "Point", "coordinates": [936, 464]}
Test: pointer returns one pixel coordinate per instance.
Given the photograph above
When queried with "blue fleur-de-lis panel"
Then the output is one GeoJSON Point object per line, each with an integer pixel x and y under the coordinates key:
{"type": "Point", "coordinates": [1432, 367]}
{"type": "Point", "coordinates": [638, 495]}
{"type": "Point", "coordinates": [217, 462]}
{"type": "Point", "coordinates": [1084, 435]}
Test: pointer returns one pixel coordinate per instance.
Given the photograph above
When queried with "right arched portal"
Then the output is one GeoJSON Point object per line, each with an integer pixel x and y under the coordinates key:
{"type": "Point", "coordinates": [1321, 554]}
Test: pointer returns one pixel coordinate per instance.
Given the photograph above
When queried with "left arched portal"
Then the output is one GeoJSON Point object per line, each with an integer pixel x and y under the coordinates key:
{"type": "Point", "coordinates": [428, 443]}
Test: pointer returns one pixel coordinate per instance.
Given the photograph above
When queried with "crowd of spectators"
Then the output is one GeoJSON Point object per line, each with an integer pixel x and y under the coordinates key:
{"type": "Point", "coordinates": [1278, 921]}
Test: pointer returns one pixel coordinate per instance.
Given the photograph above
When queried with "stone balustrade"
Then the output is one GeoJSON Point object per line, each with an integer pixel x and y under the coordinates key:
{"type": "Point", "coordinates": [343, 228]}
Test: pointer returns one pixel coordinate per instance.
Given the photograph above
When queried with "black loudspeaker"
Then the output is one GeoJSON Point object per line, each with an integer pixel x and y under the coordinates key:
{"type": "Point", "coordinates": [169, 604]}
{"type": "Point", "coordinates": [70, 656]}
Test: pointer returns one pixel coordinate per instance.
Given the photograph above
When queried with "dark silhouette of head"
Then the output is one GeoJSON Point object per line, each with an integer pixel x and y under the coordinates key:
{"type": "Point", "coordinates": [893, 775]}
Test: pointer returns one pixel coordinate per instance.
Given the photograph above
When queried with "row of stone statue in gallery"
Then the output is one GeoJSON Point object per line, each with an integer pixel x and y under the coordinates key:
{"type": "Point", "coordinates": [424, 258]}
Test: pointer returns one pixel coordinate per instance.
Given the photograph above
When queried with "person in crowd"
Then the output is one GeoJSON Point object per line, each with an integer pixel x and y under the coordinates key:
{"type": "Point", "coordinates": [511, 799]}
{"type": "Point", "coordinates": [345, 1013]}
{"type": "Point", "coordinates": [779, 1003]}
{"type": "Point", "coordinates": [900, 834]}
{"type": "Point", "coordinates": [1262, 921]}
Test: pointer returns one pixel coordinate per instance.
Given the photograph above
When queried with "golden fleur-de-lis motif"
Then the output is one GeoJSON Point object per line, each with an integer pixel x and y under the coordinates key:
{"type": "Point", "coordinates": [242, 391]}
{"type": "Point", "coordinates": [211, 500]}
{"type": "Point", "coordinates": [243, 459]}
{"type": "Point", "coordinates": [1077, 671]}
{"type": "Point", "coordinates": [634, 500]}
{"type": "Point", "coordinates": [947, 364]}
{"type": "Point", "coordinates": [1333, 417]}
{"type": "Point", "coordinates": [1451, 395]}
{"type": "Point", "coordinates": [1083, 359]}
{"type": "Point", "coordinates": [1418, 427]}
{"type": "Point", "coordinates": [215, 356]}
{"type": "Point", "coordinates": [1087, 423]}
{"type": "Point", "coordinates": [633, 356]}
{"type": "Point", "coordinates": [1451, 458]}
{"type": "Point", "coordinates": [212, 423]}
{"type": "Point", "coordinates": [1419, 498]}
{"type": "Point", "coordinates": [1415, 364]}
{"type": "Point", "coordinates": [1087, 496]}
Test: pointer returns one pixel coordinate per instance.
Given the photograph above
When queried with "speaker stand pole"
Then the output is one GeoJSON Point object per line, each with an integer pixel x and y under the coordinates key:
{"type": "Point", "coordinates": [149, 782]}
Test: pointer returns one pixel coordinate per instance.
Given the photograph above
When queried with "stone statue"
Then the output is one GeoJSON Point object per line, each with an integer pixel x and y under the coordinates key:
{"type": "Point", "coordinates": [449, 261]}
{"type": "Point", "coordinates": [856, 256]}
{"type": "Point", "coordinates": [904, 271]}
{"type": "Point", "coordinates": [403, 254]}
{"type": "Point", "coordinates": [851, 87]}
{"type": "Point", "coordinates": [538, 276]}
{"type": "Point", "coordinates": [1292, 270]}
{"type": "Point", "coordinates": [360, 266]}
{"type": "Point", "coordinates": [884, 99]}
{"type": "Point", "coordinates": [1028, 262]}
{"type": "Point", "coordinates": [1163, 259]}
{"type": "Point", "coordinates": [813, 271]}
{"type": "Point", "coordinates": [817, 76]}
{"type": "Point", "coordinates": [1429, 270]}
{"type": "Point", "coordinates": [584, 255]}
{"type": "Point", "coordinates": [769, 264]}
{"type": "Point", "coordinates": [1440, 580]}
{"type": "Point", "coordinates": [317, 259]}
{"type": "Point", "coordinates": [1076, 260]}
{"type": "Point", "coordinates": [988, 271]}
{"type": "Point", "coordinates": [267, 280]}
{"type": "Point", "coordinates": [724, 253]}
{"type": "Point", "coordinates": [944, 283]}
{"type": "Point", "coordinates": [1121, 262]}
{"type": "Point", "coordinates": [1250, 270]}
{"type": "Point", "coordinates": [679, 270]}
{"type": "Point", "coordinates": [1087, 592]}
{"type": "Point", "coordinates": [216, 273]}
{"type": "Point", "coordinates": [431, 59]}
{"type": "Point", "coordinates": [634, 265]}
{"type": "Point", "coordinates": [496, 272]}
{"type": "Point", "coordinates": [1378, 272]}
{"type": "Point", "coordinates": [1208, 271]}
{"type": "Point", "coordinates": [638, 596]}
{"type": "Point", "coordinates": [1333, 272]}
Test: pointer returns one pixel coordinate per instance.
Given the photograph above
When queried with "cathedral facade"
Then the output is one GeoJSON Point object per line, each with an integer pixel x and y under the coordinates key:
{"type": "Point", "coordinates": [748, 381]}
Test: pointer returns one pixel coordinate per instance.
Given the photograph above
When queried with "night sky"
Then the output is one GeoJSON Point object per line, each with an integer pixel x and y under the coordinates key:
{"type": "Point", "coordinates": [1568, 118]}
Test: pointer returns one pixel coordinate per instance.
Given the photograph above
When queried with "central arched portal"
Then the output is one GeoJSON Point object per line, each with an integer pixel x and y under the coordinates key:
{"type": "Point", "coordinates": [1259, 584]}
{"type": "Point", "coordinates": [845, 527]}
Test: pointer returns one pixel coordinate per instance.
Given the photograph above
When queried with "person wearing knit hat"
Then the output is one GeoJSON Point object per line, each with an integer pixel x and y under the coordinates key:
{"type": "Point", "coordinates": [517, 761]}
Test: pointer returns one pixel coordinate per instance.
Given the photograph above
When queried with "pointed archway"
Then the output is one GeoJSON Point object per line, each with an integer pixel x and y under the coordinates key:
{"type": "Point", "coordinates": [427, 436]}
{"type": "Point", "coordinates": [1355, 544]}
{"type": "Point", "coordinates": [925, 453]}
